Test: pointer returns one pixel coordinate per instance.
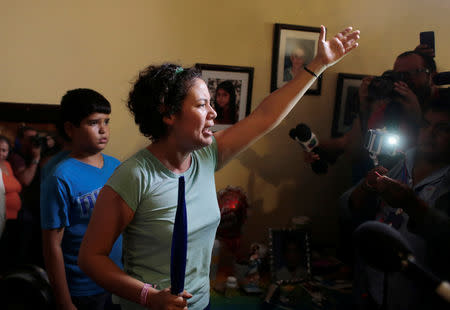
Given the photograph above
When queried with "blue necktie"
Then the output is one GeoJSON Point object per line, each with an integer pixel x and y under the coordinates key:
{"type": "Point", "coordinates": [179, 243]}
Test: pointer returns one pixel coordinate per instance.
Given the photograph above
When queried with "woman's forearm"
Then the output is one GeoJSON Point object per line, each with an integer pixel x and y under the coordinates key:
{"type": "Point", "coordinates": [108, 275]}
{"type": "Point", "coordinates": [276, 106]}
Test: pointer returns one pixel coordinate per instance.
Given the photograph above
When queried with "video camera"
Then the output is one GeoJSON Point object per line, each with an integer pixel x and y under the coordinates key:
{"type": "Point", "coordinates": [39, 141]}
{"type": "Point", "coordinates": [381, 142]}
{"type": "Point", "coordinates": [382, 87]}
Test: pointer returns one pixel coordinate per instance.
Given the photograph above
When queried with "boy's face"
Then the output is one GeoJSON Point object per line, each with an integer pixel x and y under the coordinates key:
{"type": "Point", "coordinates": [92, 135]}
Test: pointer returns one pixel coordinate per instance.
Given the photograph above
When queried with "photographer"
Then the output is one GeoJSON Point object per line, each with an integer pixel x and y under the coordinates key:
{"type": "Point", "coordinates": [27, 155]}
{"type": "Point", "coordinates": [414, 198]}
{"type": "Point", "coordinates": [410, 86]}
{"type": "Point", "coordinates": [25, 162]}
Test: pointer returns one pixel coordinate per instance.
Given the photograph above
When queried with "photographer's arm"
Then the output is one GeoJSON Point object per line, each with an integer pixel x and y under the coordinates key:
{"type": "Point", "coordinates": [25, 174]}
{"type": "Point", "coordinates": [350, 142]}
{"type": "Point", "coordinates": [432, 223]}
{"type": "Point", "coordinates": [424, 219]}
{"type": "Point", "coordinates": [410, 102]}
{"type": "Point", "coordinates": [363, 197]}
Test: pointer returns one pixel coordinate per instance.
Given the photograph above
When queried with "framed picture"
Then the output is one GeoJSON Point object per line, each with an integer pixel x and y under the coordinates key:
{"type": "Point", "coordinates": [346, 106]}
{"type": "Point", "coordinates": [290, 254]}
{"type": "Point", "coordinates": [231, 92]}
{"type": "Point", "coordinates": [293, 48]}
{"type": "Point", "coordinates": [40, 117]}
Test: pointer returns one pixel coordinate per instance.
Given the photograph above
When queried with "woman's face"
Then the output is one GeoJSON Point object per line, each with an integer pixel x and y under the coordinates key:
{"type": "Point", "coordinates": [4, 150]}
{"type": "Point", "coordinates": [192, 126]}
{"type": "Point", "coordinates": [222, 98]}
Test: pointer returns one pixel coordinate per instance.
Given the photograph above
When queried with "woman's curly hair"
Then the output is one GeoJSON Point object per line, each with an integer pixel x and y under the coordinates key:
{"type": "Point", "coordinates": [159, 92]}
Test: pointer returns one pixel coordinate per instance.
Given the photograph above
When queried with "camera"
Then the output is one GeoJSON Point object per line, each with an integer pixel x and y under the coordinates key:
{"type": "Point", "coordinates": [382, 87]}
{"type": "Point", "coordinates": [381, 142]}
{"type": "Point", "coordinates": [40, 141]}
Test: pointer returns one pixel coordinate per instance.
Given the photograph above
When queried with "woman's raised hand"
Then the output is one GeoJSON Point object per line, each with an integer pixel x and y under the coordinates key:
{"type": "Point", "coordinates": [331, 51]}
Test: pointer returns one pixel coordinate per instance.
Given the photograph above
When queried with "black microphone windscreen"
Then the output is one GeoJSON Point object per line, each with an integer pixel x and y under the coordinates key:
{"type": "Point", "coordinates": [442, 78]}
{"type": "Point", "coordinates": [381, 246]}
{"type": "Point", "coordinates": [303, 132]}
{"type": "Point", "coordinates": [292, 133]}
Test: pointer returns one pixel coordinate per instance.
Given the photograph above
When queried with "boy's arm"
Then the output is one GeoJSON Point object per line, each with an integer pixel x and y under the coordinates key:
{"type": "Point", "coordinates": [54, 202]}
{"type": "Point", "coordinates": [54, 263]}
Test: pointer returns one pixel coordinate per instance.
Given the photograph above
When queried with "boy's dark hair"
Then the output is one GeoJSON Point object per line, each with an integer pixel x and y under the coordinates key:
{"type": "Point", "coordinates": [430, 64]}
{"type": "Point", "coordinates": [230, 89]}
{"type": "Point", "coordinates": [78, 104]}
{"type": "Point", "coordinates": [159, 92]}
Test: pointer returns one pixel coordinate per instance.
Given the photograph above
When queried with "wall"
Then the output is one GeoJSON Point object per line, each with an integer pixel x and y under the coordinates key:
{"type": "Point", "coordinates": [49, 47]}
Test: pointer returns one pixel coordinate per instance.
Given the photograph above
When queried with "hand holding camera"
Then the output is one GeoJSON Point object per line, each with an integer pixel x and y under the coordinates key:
{"type": "Point", "coordinates": [410, 102]}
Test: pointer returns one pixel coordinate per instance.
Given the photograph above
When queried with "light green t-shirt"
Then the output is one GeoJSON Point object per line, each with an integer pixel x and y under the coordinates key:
{"type": "Point", "coordinates": [151, 190]}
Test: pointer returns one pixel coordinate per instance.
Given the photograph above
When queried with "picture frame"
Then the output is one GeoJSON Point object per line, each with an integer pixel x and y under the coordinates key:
{"type": "Point", "coordinates": [293, 47]}
{"type": "Point", "coordinates": [290, 254]}
{"type": "Point", "coordinates": [231, 92]}
{"type": "Point", "coordinates": [346, 105]}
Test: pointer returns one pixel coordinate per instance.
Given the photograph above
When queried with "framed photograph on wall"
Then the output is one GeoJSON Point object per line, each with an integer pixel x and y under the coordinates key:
{"type": "Point", "coordinates": [293, 47]}
{"type": "Point", "coordinates": [290, 255]}
{"type": "Point", "coordinates": [346, 106]}
{"type": "Point", "coordinates": [231, 92]}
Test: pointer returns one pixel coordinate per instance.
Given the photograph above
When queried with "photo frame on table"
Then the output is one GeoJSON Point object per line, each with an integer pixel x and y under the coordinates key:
{"type": "Point", "coordinates": [231, 92]}
{"type": "Point", "coordinates": [293, 47]}
{"type": "Point", "coordinates": [290, 254]}
{"type": "Point", "coordinates": [346, 105]}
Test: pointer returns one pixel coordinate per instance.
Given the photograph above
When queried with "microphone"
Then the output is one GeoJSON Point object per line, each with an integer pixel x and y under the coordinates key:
{"type": "Point", "coordinates": [309, 142]}
{"type": "Point", "coordinates": [385, 249]}
{"type": "Point", "coordinates": [442, 78]}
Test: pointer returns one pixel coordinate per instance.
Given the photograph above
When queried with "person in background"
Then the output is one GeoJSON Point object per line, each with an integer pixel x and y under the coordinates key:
{"type": "Point", "coordinates": [412, 92]}
{"type": "Point", "coordinates": [70, 192]}
{"type": "Point", "coordinates": [172, 106]}
{"type": "Point", "coordinates": [26, 156]}
{"type": "Point", "coordinates": [2, 206]}
{"type": "Point", "coordinates": [414, 198]}
{"type": "Point", "coordinates": [12, 187]}
{"type": "Point", "coordinates": [25, 162]}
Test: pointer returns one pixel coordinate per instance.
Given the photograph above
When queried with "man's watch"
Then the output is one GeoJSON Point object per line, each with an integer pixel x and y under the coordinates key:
{"type": "Point", "coordinates": [35, 161]}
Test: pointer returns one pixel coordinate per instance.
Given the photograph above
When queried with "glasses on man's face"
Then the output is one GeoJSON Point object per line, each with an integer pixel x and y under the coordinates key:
{"type": "Point", "coordinates": [414, 73]}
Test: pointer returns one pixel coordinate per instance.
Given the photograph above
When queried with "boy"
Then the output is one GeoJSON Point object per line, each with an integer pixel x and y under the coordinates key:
{"type": "Point", "coordinates": [70, 193]}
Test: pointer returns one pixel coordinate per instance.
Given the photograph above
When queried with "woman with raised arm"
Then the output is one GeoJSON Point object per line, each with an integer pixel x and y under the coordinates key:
{"type": "Point", "coordinates": [171, 106]}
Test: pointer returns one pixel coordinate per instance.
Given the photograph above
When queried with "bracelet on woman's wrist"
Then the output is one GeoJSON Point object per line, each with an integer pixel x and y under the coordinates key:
{"type": "Point", "coordinates": [310, 72]}
{"type": "Point", "coordinates": [144, 293]}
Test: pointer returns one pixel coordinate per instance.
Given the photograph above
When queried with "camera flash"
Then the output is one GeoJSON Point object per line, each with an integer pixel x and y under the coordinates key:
{"type": "Point", "coordinates": [393, 140]}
